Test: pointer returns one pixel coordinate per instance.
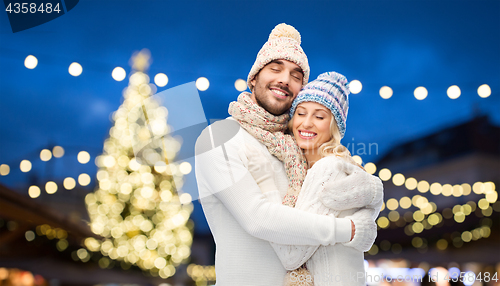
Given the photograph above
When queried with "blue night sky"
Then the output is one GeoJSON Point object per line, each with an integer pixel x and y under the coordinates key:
{"type": "Point", "coordinates": [401, 44]}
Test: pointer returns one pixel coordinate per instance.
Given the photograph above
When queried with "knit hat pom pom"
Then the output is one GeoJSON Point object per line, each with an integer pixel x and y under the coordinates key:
{"type": "Point", "coordinates": [284, 30]}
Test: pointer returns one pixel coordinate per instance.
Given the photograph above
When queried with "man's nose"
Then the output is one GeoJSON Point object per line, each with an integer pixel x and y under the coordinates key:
{"type": "Point", "coordinates": [284, 78]}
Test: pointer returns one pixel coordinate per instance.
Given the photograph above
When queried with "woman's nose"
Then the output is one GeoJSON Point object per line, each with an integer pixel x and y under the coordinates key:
{"type": "Point", "coordinates": [308, 123]}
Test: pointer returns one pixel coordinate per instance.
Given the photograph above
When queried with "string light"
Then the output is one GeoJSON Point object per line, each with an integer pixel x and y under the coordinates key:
{"type": "Point", "coordinates": [75, 69]}
{"type": "Point", "coordinates": [161, 79]}
{"type": "Point", "coordinates": [45, 155]}
{"type": "Point", "coordinates": [25, 166]}
{"type": "Point", "coordinates": [420, 93]}
{"type": "Point", "coordinates": [83, 157]}
{"type": "Point", "coordinates": [30, 62]}
{"type": "Point", "coordinates": [118, 74]}
{"type": "Point", "coordinates": [202, 83]}
{"type": "Point", "coordinates": [385, 92]}
{"type": "Point", "coordinates": [69, 183]}
{"type": "Point", "coordinates": [34, 192]}
{"type": "Point", "coordinates": [4, 169]}
{"type": "Point", "coordinates": [58, 151]}
{"type": "Point", "coordinates": [355, 86]}
{"type": "Point", "coordinates": [240, 85]}
{"type": "Point", "coordinates": [484, 91]}
{"type": "Point", "coordinates": [50, 187]}
{"type": "Point", "coordinates": [453, 92]}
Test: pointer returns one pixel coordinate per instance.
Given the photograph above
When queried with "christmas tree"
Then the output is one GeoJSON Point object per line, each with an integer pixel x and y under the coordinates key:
{"type": "Point", "coordinates": [137, 207]}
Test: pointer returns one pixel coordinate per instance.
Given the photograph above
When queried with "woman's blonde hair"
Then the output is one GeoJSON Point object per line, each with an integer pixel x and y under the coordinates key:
{"type": "Point", "coordinates": [333, 147]}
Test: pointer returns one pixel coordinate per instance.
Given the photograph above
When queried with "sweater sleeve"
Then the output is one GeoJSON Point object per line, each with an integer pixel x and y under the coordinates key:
{"type": "Point", "coordinates": [357, 189]}
{"type": "Point", "coordinates": [220, 172]}
{"type": "Point", "coordinates": [293, 256]}
{"type": "Point", "coordinates": [366, 228]}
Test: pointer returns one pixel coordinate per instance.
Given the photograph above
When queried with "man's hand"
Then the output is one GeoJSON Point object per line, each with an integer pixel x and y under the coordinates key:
{"type": "Point", "coordinates": [353, 230]}
{"type": "Point", "coordinates": [259, 166]}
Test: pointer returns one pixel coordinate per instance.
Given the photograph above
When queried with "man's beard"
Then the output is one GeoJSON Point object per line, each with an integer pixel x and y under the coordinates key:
{"type": "Point", "coordinates": [274, 109]}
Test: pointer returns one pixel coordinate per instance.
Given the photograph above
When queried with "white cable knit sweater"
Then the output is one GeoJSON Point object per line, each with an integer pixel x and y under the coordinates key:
{"type": "Point", "coordinates": [243, 221]}
{"type": "Point", "coordinates": [342, 263]}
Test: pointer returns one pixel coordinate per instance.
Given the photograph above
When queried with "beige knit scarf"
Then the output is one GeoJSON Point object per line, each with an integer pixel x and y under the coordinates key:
{"type": "Point", "coordinates": [269, 130]}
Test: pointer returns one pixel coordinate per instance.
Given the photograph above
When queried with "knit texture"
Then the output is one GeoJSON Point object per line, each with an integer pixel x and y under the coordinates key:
{"type": "Point", "coordinates": [346, 257]}
{"type": "Point", "coordinates": [331, 90]}
{"type": "Point", "coordinates": [243, 221]}
{"type": "Point", "coordinates": [283, 43]}
{"type": "Point", "coordinates": [268, 129]}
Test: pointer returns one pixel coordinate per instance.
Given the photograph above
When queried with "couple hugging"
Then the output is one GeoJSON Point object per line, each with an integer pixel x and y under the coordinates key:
{"type": "Point", "coordinates": [285, 201]}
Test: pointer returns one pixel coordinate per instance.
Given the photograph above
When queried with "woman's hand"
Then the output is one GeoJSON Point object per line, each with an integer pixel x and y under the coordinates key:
{"type": "Point", "coordinates": [259, 167]}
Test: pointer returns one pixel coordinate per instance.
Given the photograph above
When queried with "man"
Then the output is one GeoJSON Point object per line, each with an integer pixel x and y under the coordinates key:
{"type": "Point", "coordinates": [241, 219]}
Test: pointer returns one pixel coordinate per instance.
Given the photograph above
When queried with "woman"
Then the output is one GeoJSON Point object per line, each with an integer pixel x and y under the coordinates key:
{"type": "Point", "coordinates": [318, 123]}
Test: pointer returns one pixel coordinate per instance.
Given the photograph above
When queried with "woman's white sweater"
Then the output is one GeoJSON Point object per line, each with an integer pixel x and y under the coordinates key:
{"type": "Point", "coordinates": [342, 263]}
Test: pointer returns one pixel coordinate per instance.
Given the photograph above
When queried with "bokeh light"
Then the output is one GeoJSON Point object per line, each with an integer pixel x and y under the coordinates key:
{"type": "Point", "coordinates": [392, 204]}
{"type": "Point", "coordinates": [382, 222]}
{"type": "Point", "coordinates": [84, 179]}
{"type": "Point", "coordinates": [34, 192]}
{"type": "Point", "coordinates": [69, 183]}
{"type": "Point", "coordinates": [185, 168]}
{"type": "Point", "coordinates": [370, 168]}
{"type": "Point", "coordinates": [202, 83]}
{"type": "Point", "coordinates": [420, 93]}
{"type": "Point", "coordinates": [45, 155]}
{"type": "Point", "coordinates": [240, 85]}
{"type": "Point", "coordinates": [405, 202]}
{"type": "Point", "coordinates": [4, 169]}
{"type": "Point", "coordinates": [411, 184]}
{"type": "Point", "coordinates": [29, 235]}
{"type": "Point", "coordinates": [385, 174]}
{"type": "Point", "coordinates": [30, 62]}
{"type": "Point", "coordinates": [357, 159]}
{"type": "Point", "coordinates": [75, 69]}
{"type": "Point", "coordinates": [385, 92]}
{"type": "Point", "coordinates": [118, 74]}
{"type": "Point", "coordinates": [484, 91]}
{"type": "Point", "coordinates": [25, 166]}
{"type": "Point", "coordinates": [355, 86]}
{"type": "Point", "coordinates": [51, 187]}
{"type": "Point", "coordinates": [398, 179]}
{"type": "Point", "coordinates": [435, 188]}
{"type": "Point", "coordinates": [83, 157]}
{"type": "Point", "coordinates": [58, 151]}
{"type": "Point", "coordinates": [423, 186]}
{"type": "Point", "coordinates": [161, 79]}
{"type": "Point", "coordinates": [453, 92]}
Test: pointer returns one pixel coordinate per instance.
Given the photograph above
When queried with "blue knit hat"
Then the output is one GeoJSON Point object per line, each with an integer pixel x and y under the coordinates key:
{"type": "Point", "coordinates": [331, 90]}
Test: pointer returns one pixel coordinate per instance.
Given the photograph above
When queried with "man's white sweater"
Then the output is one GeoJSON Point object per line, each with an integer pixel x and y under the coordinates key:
{"type": "Point", "coordinates": [243, 221]}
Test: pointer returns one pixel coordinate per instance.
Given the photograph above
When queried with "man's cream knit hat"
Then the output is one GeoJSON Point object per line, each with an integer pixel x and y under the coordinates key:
{"type": "Point", "coordinates": [284, 43]}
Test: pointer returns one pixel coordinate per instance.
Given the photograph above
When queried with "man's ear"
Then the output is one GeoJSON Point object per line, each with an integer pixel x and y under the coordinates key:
{"type": "Point", "coordinates": [253, 81]}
